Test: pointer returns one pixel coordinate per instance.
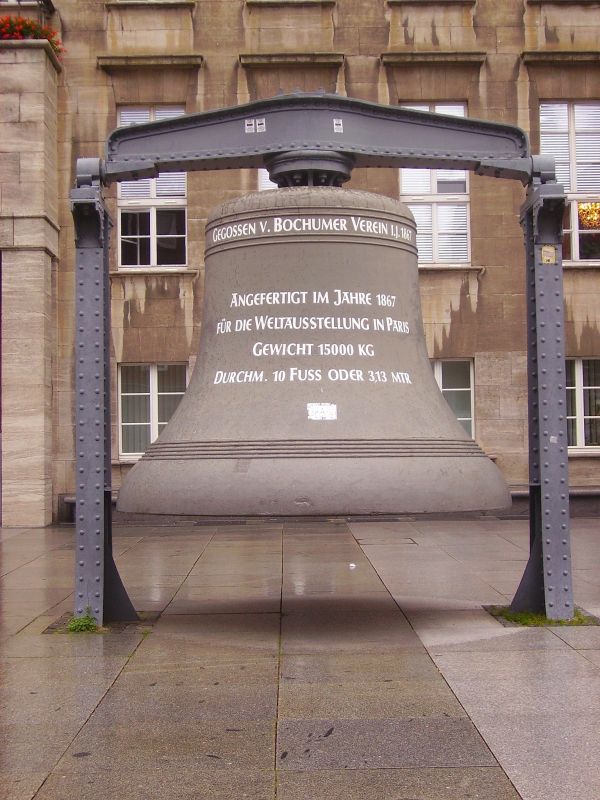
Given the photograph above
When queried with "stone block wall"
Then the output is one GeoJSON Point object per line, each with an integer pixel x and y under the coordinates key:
{"type": "Point", "coordinates": [29, 249]}
{"type": "Point", "coordinates": [501, 59]}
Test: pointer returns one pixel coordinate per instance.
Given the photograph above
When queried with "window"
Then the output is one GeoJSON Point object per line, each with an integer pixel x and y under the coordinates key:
{"type": "Point", "coordinates": [148, 396]}
{"type": "Point", "coordinates": [455, 380]}
{"type": "Point", "coordinates": [152, 211]}
{"type": "Point", "coordinates": [439, 201]}
{"type": "Point", "coordinates": [571, 133]}
{"type": "Point", "coordinates": [264, 182]}
{"type": "Point", "coordinates": [583, 402]}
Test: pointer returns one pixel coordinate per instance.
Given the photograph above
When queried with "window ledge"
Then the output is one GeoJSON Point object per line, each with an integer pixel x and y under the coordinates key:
{"type": "Point", "coordinates": [126, 460]}
{"type": "Point", "coordinates": [435, 2]}
{"type": "Point", "coordinates": [433, 57]}
{"type": "Point", "coordinates": [581, 264]}
{"type": "Point", "coordinates": [565, 57]}
{"type": "Point", "coordinates": [124, 272]}
{"type": "Point", "coordinates": [562, 2]}
{"type": "Point", "coordinates": [450, 268]}
{"type": "Point", "coordinates": [291, 2]}
{"type": "Point", "coordinates": [150, 3]}
{"type": "Point", "coordinates": [584, 452]}
{"type": "Point", "coordinates": [110, 63]}
{"type": "Point", "coordinates": [279, 59]}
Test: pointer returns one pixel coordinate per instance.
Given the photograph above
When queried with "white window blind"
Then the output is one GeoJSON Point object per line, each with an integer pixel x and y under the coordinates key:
{"type": "Point", "coordinates": [583, 402]}
{"type": "Point", "coordinates": [455, 379]}
{"type": "Point", "coordinates": [439, 201]}
{"type": "Point", "coordinates": [152, 213]}
{"type": "Point", "coordinates": [264, 182]}
{"type": "Point", "coordinates": [148, 396]}
{"type": "Point", "coordinates": [167, 184]}
{"type": "Point", "coordinates": [570, 132]}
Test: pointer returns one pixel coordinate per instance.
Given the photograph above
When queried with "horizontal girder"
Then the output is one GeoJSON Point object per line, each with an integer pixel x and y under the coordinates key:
{"type": "Point", "coordinates": [365, 134]}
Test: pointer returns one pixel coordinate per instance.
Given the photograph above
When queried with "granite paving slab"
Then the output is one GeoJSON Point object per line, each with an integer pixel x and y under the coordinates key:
{"type": "Point", "coordinates": [380, 744]}
{"type": "Point", "coordinates": [370, 701]}
{"type": "Point", "coordinates": [170, 744]}
{"type": "Point", "coordinates": [338, 631]}
{"type": "Point", "coordinates": [343, 667]}
{"type": "Point", "coordinates": [160, 783]}
{"type": "Point", "coordinates": [21, 785]}
{"type": "Point", "coordinates": [151, 702]}
{"type": "Point", "coordinates": [458, 783]}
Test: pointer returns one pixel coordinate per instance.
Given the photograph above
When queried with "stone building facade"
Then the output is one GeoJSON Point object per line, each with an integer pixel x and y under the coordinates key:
{"type": "Point", "coordinates": [533, 63]}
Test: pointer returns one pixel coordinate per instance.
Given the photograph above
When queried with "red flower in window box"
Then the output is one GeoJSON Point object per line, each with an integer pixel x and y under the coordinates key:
{"type": "Point", "coordinates": [19, 28]}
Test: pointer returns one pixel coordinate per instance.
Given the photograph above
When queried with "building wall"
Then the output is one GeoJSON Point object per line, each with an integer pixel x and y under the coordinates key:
{"type": "Point", "coordinates": [499, 58]}
{"type": "Point", "coordinates": [29, 249]}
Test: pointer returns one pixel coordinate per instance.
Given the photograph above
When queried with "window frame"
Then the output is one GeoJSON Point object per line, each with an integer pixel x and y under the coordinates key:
{"type": "Point", "coordinates": [436, 199]}
{"type": "Point", "coordinates": [437, 367]}
{"type": "Point", "coordinates": [573, 195]}
{"type": "Point", "coordinates": [580, 447]}
{"type": "Point", "coordinates": [126, 456]}
{"type": "Point", "coordinates": [152, 203]}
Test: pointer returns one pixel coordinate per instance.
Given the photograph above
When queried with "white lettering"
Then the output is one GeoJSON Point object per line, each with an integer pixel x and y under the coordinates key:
{"type": "Point", "coordinates": [282, 349]}
{"type": "Point", "coordinates": [351, 298]}
{"type": "Point", "coordinates": [242, 376]}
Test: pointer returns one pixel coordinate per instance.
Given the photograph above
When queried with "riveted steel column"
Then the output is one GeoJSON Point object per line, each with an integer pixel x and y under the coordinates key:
{"type": "Point", "coordinates": [98, 586]}
{"type": "Point", "coordinates": [90, 223]}
{"type": "Point", "coordinates": [546, 586]}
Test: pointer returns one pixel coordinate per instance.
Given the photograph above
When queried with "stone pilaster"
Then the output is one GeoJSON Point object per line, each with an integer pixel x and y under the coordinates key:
{"type": "Point", "coordinates": [28, 248]}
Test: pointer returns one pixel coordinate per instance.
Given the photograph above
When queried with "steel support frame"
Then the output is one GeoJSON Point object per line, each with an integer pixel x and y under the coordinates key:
{"type": "Point", "coordinates": [546, 586]}
{"type": "Point", "coordinates": [99, 590]}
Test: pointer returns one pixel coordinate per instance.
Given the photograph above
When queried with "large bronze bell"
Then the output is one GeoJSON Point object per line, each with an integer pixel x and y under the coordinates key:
{"type": "Point", "coordinates": [312, 392]}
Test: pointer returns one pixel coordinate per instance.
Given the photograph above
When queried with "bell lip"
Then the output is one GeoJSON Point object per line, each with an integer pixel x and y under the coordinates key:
{"type": "Point", "coordinates": [315, 487]}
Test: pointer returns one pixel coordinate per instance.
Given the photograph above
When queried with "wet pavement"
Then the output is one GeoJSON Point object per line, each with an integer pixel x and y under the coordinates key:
{"type": "Point", "coordinates": [299, 661]}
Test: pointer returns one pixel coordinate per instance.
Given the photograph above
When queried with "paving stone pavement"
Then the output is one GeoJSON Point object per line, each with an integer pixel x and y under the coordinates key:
{"type": "Point", "coordinates": [298, 661]}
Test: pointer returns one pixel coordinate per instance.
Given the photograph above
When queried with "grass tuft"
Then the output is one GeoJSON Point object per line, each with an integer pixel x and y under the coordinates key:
{"type": "Point", "coordinates": [85, 624]}
{"type": "Point", "coordinates": [532, 620]}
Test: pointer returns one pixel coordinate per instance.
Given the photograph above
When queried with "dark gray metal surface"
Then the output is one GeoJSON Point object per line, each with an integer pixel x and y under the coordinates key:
{"type": "Point", "coordinates": [317, 126]}
{"type": "Point", "coordinates": [98, 587]}
{"type": "Point", "coordinates": [90, 386]}
{"type": "Point", "coordinates": [546, 586]}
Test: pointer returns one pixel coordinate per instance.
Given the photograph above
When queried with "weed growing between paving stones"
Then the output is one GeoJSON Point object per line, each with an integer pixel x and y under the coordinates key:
{"type": "Point", "coordinates": [531, 620]}
{"type": "Point", "coordinates": [85, 624]}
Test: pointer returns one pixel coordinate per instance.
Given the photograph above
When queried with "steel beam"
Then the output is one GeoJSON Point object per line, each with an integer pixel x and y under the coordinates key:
{"type": "Point", "coordinates": [99, 590]}
{"type": "Point", "coordinates": [317, 126]}
{"type": "Point", "coordinates": [546, 586]}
